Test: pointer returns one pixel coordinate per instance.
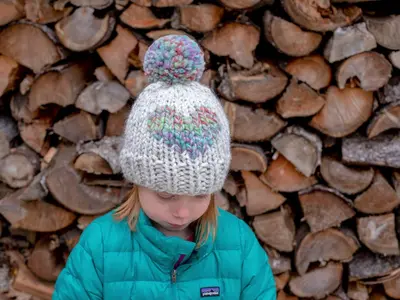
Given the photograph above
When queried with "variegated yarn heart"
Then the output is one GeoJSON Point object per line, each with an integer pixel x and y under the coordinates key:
{"type": "Point", "coordinates": [193, 134]}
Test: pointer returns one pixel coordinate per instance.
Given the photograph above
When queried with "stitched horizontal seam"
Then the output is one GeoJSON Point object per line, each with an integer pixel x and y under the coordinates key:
{"type": "Point", "coordinates": [132, 251]}
{"type": "Point", "coordinates": [79, 281]}
{"type": "Point", "coordinates": [168, 281]}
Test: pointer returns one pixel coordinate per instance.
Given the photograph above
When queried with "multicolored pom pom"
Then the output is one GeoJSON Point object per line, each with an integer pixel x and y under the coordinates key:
{"type": "Point", "coordinates": [174, 59]}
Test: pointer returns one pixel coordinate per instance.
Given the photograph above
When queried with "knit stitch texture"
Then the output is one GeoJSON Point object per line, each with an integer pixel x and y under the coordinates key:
{"type": "Point", "coordinates": [176, 137]}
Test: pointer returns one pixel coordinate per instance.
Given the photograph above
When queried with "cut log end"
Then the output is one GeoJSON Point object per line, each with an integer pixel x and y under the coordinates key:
{"type": "Point", "coordinates": [9, 74]}
{"type": "Point", "coordinates": [200, 18]}
{"type": "Point", "coordinates": [386, 118]}
{"type": "Point", "coordinates": [386, 30]}
{"type": "Point", "coordinates": [140, 17]}
{"type": "Point", "coordinates": [248, 158]}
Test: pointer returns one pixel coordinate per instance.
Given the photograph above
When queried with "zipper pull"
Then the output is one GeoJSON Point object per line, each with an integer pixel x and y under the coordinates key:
{"type": "Point", "coordinates": [173, 275]}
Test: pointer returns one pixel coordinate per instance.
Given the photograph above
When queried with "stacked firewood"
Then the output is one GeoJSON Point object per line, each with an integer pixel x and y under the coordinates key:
{"type": "Point", "coordinates": [312, 93]}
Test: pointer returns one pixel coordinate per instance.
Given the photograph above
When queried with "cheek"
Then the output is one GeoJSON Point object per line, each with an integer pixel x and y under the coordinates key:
{"type": "Point", "coordinates": [153, 209]}
{"type": "Point", "coordinates": [199, 208]}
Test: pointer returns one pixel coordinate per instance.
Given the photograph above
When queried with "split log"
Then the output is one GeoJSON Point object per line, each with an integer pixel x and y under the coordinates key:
{"type": "Point", "coordinates": [167, 3]}
{"type": "Point", "coordinates": [26, 84]}
{"type": "Point", "coordinates": [289, 38]}
{"type": "Point", "coordinates": [371, 69]}
{"type": "Point", "coordinates": [98, 96]}
{"type": "Point", "coordinates": [281, 175]}
{"type": "Point", "coordinates": [279, 263]}
{"type": "Point", "coordinates": [392, 287]}
{"type": "Point", "coordinates": [312, 70]}
{"type": "Point", "coordinates": [140, 17]}
{"type": "Point", "coordinates": [299, 100]}
{"type": "Point", "coordinates": [276, 229]}
{"type": "Point", "coordinates": [245, 4]}
{"type": "Point", "coordinates": [26, 281]}
{"type": "Point", "coordinates": [320, 16]}
{"type": "Point", "coordinates": [261, 83]}
{"type": "Point", "coordinates": [379, 198]}
{"type": "Point", "coordinates": [9, 74]}
{"type": "Point", "coordinates": [348, 41]}
{"type": "Point", "coordinates": [78, 127]}
{"type": "Point", "coordinates": [115, 54]}
{"type": "Point", "coordinates": [378, 234]}
{"type": "Point", "coordinates": [64, 183]}
{"type": "Point", "coordinates": [357, 291]}
{"type": "Point", "coordinates": [281, 280]}
{"type": "Point", "coordinates": [35, 135]}
{"type": "Point", "coordinates": [61, 85]}
{"type": "Point", "coordinates": [4, 145]}
{"type": "Point", "coordinates": [136, 57]}
{"type": "Point", "coordinates": [116, 121]}
{"type": "Point", "coordinates": [93, 31]}
{"type": "Point", "coordinates": [344, 111]}
{"type": "Point", "coordinates": [35, 215]}
{"type": "Point", "coordinates": [324, 208]}
{"type": "Point", "coordinates": [248, 125]}
{"type": "Point", "coordinates": [230, 185]}
{"type": "Point", "coordinates": [381, 150]}
{"type": "Point", "coordinates": [300, 147]}
{"type": "Point", "coordinates": [8, 127]}
{"type": "Point", "coordinates": [135, 82]}
{"type": "Point", "coordinates": [222, 201]}
{"type": "Point", "coordinates": [386, 30]}
{"type": "Point", "coordinates": [199, 18]}
{"type": "Point", "coordinates": [97, 4]}
{"type": "Point", "coordinates": [19, 106]}
{"type": "Point", "coordinates": [156, 34]}
{"type": "Point", "coordinates": [92, 163]}
{"type": "Point", "coordinates": [43, 12]}
{"type": "Point", "coordinates": [107, 149]}
{"type": "Point", "coordinates": [103, 74]}
{"type": "Point", "coordinates": [390, 92]}
{"type": "Point", "coordinates": [394, 58]}
{"type": "Point", "coordinates": [323, 246]}
{"type": "Point", "coordinates": [260, 197]}
{"type": "Point", "coordinates": [319, 282]}
{"type": "Point", "coordinates": [248, 158]}
{"type": "Point", "coordinates": [14, 38]}
{"type": "Point", "coordinates": [11, 11]}
{"type": "Point", "coordinates": [366, 264]}
{"type": "Point", "coordinates": [84, 221]}
{"type": "Point", "coordinates": [105, 180]}
{"type": "Point", "coordinates": [46, 260]}
{"type": "Point", "coordinates": [16, 170]}
{"type": "Point", "coordinates": [346, 179]}
{"type": "Point", "coordinates": [283, 296]}
{"type": "Point", "coordinates": [386, 118]}
{"type": "Point", "coordinates": [240, 49]}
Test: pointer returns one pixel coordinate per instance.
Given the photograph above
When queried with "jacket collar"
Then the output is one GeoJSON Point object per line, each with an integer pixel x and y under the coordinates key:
{"type": "Point", "coordinates": [164, 250]}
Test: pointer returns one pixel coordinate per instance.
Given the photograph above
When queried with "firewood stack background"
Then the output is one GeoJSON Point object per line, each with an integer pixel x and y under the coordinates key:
{"type": "Point", "coordinates": [311, 89]}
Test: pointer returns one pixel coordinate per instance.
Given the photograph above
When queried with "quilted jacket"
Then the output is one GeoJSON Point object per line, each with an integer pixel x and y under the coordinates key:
{"type": "Point", "coordinates": [112, 262]}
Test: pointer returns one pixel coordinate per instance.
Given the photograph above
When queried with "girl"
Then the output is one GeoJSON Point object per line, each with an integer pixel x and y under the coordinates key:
{"type": "Point", "coordinates": [169, 240]}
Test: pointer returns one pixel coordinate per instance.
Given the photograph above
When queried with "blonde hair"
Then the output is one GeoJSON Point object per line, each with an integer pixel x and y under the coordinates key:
{"type": "Point", "coordinates": [205, 226]}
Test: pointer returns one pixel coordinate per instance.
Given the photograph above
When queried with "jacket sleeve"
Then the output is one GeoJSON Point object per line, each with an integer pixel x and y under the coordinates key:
{"type": "Point", "coordinates": [258, 282]}
{"type": "Point", "coordinates": [82, 276]}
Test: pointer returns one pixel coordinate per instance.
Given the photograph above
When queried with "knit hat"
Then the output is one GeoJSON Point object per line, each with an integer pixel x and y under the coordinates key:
{"type": "Point", "coordinates": [176, 138]}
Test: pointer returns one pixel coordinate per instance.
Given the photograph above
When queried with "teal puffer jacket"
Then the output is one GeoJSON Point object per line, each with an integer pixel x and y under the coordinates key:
{"type": "Point", "coordinates": [112, 262]}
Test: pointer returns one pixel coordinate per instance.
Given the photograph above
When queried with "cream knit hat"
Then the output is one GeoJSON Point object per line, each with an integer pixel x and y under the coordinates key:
{"type": "Point", "coordinates": [176, 137]}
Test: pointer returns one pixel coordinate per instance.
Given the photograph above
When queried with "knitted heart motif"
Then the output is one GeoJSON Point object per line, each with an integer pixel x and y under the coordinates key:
{"type": "Point", "coordinates": [194, 133]}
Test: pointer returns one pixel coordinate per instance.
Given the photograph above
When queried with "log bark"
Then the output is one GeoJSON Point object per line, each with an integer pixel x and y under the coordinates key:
{"type": "Point", "coordinates": [240, 49]}
{"type": "Point", "coordinates": [378, 234]}
{"type": "Point", "coordinates": [16, 170]}
{"type": "Point", "coordinates": [92, 163]}
{"type": "Point", "coordinates": [392, 287]}
{"type": "Point", "coordinates": [394, 58]}
{"type": "Point", "coordinates": [10, 73]}
{"type": "Point", "coordinates": [349, 41]}
{"type": "Point", "coordinates": [14, 38]}
{"type": "Point", "coordinates": [324, 208]}
{"type": "Point", "coordinates": [379, 198]}
{"type": "Point", "coordinates": [115, 54]}
{"type": "Point", "coordinates": [346, 179]}
{"type": "Point", "coordinates": [261, 83]}
{"type": "Point", "coordinates": [281, 175]}
{"type": "Point", "coordinates": [320, 16]}
{"type": "Point", "coordinates": [93, 30]}
{"type": "Point", "coordinates": [371, 69]}
{"type": "Point", "coordinates": [317, 283]}
{"type": "Point", "coordinates": [279, 262]}
{"type": "Point", "coordinates": [300, 147]}
{"type": "Point", "coordinates": [381, 150]}
{"type": "Point", "coordinates": [390, 92]}
{"type": "Point", "coordinates": [11, 11]}
{"type": "Point", "coordinates": [324, 246]}
{"type": "Point", "coordinates": [4, 145]}
{"type": "Point", "coordinates": [43, 12]}
{"type": "Point", "coordinates": [289, 38]}
{"type": "Point", "coordinates": [140, 17]}
{"type": "Point", "coordinates": [260, 197]}
{"type": "Point", "coordinates": [357, 291]}
{"type": "Point", "coordinates": [312, 70]}
{"type": "Point", "coordinates": [386, 118]}
{"type": "Point", "coordinates": [248, 125]}
{"type": "Point", "coordinates": [199, 18]}
{"type": "Point", "coordinates": [98, 96]}
{"type": "Point", "coordinates": [345, 110]}
{"type": "Point", "coordinates": [135, 82]}
{"type": "Point", "coordinates": [386, 30]}
{"type": "Point", "coordinates": [68, 81]}
{"type": "Point", "coordinates": [276, 229]}
{"type": "Point", "coordinates": [299, 100]}
{"type": "Point", "coordinates": [247, 158]}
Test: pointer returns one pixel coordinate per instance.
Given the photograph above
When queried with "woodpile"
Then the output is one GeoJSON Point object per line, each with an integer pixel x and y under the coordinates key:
{"type": "Point", "coordinates": [312, 93]}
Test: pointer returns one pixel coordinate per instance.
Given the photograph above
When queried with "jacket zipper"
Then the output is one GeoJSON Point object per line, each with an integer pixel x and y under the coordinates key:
{"type": "Point", "coordinates": [173, 275]}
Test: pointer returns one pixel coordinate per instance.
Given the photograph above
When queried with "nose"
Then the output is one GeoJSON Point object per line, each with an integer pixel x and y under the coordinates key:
{"type": "Point", "coordinates": [180, 211]}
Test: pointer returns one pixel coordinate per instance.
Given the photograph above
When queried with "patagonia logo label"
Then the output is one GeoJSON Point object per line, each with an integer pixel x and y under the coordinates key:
{"type": "Point", "coordinates": [209, 291]}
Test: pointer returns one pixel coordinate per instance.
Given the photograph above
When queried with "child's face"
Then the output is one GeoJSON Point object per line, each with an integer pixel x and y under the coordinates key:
{"type": "Point", "coordinates": [173, 213]}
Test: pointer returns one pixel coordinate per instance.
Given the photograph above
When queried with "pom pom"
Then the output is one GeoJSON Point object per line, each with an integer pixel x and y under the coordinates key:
{"type": "Point", "coordinates": [174, 59]}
